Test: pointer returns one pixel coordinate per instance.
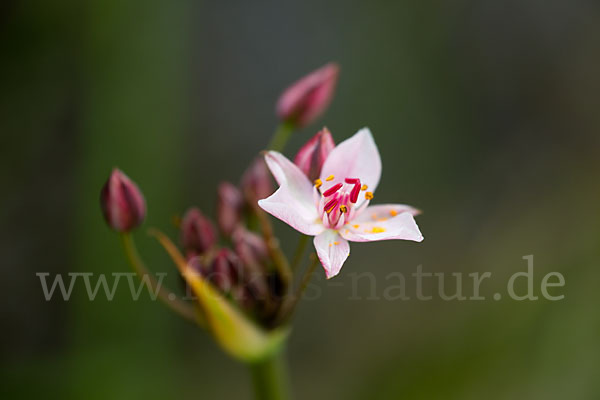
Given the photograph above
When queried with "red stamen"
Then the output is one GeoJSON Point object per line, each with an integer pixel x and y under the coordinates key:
{"type": "Point", "coordinates": [352, 181]}
{"type": "Point", "coordinates": [354, 193]}
{"type": "Point", "coordinates": [332, 190]}
{"type": "Point", "coordinates": [331, 205]}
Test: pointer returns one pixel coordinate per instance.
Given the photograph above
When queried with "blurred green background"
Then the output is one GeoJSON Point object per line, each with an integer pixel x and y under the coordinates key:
{"type": "Point", "coordinates": [486, 116]}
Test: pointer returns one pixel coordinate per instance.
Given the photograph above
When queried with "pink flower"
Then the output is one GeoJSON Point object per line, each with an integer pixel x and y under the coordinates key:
{"type": "Point", "coordinates": [312, 155]}
{"type": "Point", "coordinates": [308, 98]}
{"type": "Point", "coordinates": [335, 208]}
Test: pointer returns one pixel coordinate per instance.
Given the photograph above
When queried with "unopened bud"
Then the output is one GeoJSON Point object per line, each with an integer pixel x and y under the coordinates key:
{"type": "Point", "coordinates": [312, 155]}
{"type": "Point", "coordinates": [229, 207]}
{"type": "Point", "coordinates": [197, 232]}
{"type": "Point", "coordinates": [122, 203]}
{"type": "Point", "coordinates": [198, 264]}
{"type": "Point", "coordinates": [308, 98]}
{"type": "Point", "coordinates": [250, 247]}
{"type": "Point", "coordinates": [225, 270]}
{"type": "Point", "coordinates": [256, 182]}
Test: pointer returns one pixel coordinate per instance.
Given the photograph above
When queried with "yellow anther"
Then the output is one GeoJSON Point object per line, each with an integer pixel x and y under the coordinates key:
{"type": "Point", "coordinates": [336, 243]}
{"type": "Point", "coordinates": [393, 213]}
{"type": "Point", "coordinates": [377, 229]}
{"type": "Point", "coordinates": [369, 195]}
{"type": "Point", "coordinates": [381, 219]}
{"type": "Point", "coordinates": [346, 231]}
{"type": "Point", "coordinates": [364, 187]}
{"type": "Point", "coordinates": [330, 244]}
{"type": "Point", "coordinates": [329, 178]}
{"type": "Point", "coordinates": [374, 217]}
{"type": "Point", "coordinates": [356, 226]}
{"type": "Point", "coordinates": [318, 183]}
{"type": "Point", "coordinates": [343, 209]}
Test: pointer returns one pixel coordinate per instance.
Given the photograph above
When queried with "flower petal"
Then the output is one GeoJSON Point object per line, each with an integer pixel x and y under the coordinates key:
{"type": "Point", "coordinates": [401, 226]}
{"type": "Point", "coordinates": [332, 250]}
{"type": "Point", "coordinates": [283, 204]}
{"type": "Point", "coordinates": [285, 171]}
{"type": "Point", "coordinates": [356, 157]}
{"type": "Point", "coordinates": [382, 211]}
{"type": "Point", "coordinates": [293, 202]}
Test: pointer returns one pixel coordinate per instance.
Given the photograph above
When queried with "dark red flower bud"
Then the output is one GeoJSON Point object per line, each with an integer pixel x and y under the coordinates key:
{"type": "Point", "coordinates": [312, 155]}
{"type": "Point", "coordinates": [250, 247]}
{"type": "Point", "coordinates": [229, 207]}
{"type": "Point", "coordinates": [226, 270]}
{"type": "Point", "coordinates": [197, 232]}
{"type": "Point", "coordinates": [122, 203]}
{"type": "Point", "coordinates": [308, 98]}
{"type": "Point", "coordinates": [256, 182]}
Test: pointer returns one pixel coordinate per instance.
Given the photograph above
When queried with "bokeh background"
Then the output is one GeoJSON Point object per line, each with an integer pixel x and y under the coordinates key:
{"type": "Point", "coordinates": [486, 116]}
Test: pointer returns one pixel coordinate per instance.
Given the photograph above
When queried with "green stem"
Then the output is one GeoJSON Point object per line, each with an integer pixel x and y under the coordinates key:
{"type": "Point", "coordinates": [165, 295]}
{"type": "Point", "coordinates": [288, 307]}
{"type": "Point", "coordinates": [278, 142]}
{"type": "Point", "coordinates": [269, 377]}
{"type": "Point", "coordinates": [300, 248]}
{"type": "Point", "coordinates": [307, 275]}
{"type": "Point", "coordinates": [277, 255]}
{"type": "Point", "coordinates": [281, 136]}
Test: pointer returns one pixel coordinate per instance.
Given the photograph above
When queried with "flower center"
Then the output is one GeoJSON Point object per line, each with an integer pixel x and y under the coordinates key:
{"type": "Point", "coordinates": [338, 201]}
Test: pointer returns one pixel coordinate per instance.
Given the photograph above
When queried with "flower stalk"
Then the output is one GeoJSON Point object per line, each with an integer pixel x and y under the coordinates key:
{"type": "Point", "coordinates": [279, 259]}
{"type": "Point", "coordinates": [288, 307]}
{"type": "Point", "coordinates": [166, 296]}
{"type": "Point", "coordinates": [281, 136]}
{"type": "Point", "coordinates": [270, 379]}
{"type": "Point", "coordinates": [300, 249]}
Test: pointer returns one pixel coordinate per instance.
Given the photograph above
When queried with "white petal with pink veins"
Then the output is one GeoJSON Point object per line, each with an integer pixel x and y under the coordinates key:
{"type": "Point", "coordinates": [332, 250]}
{"type": "Point", "coordinates": [356, 157]}
{"type": "Point", "coordinates": [381, 211]}
{"type": "Point", "coordinates": [402, 226]}
{"type": "Point", "coordinates": [286, 171]}
{"type": "Point", "coordinates": [293, 202]}
{"type": "Point", "coordinates": [284, 205]}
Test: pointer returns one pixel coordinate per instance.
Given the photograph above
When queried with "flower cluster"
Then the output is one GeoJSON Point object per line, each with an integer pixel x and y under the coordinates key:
{"type": "Point", "coordinates": [241, 268]}
{"type": "Point", "coordinates": [243, 281]}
